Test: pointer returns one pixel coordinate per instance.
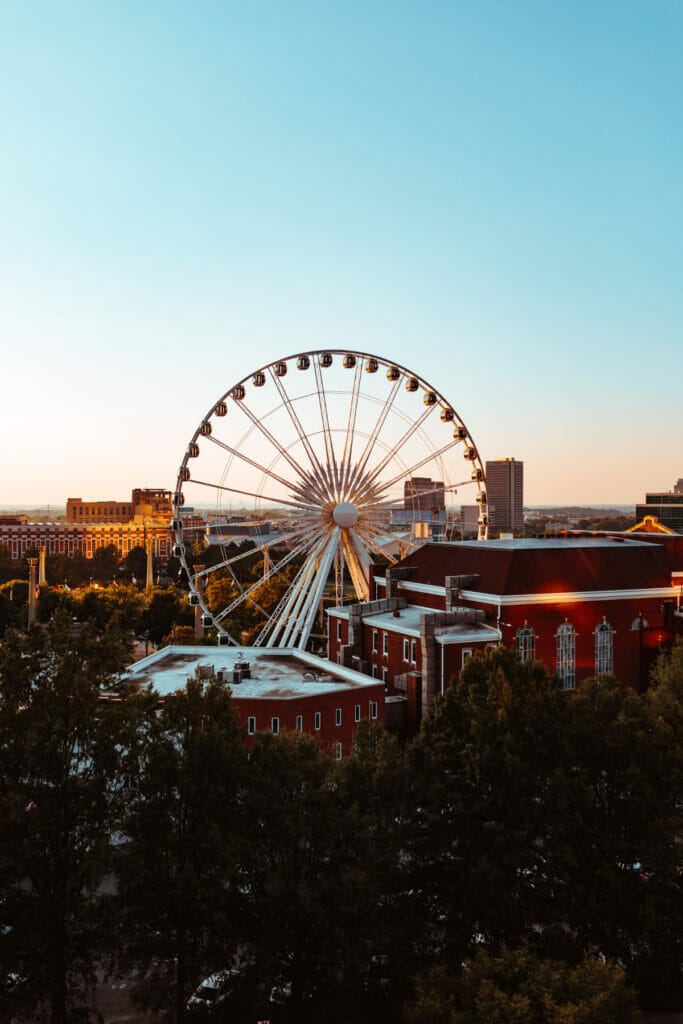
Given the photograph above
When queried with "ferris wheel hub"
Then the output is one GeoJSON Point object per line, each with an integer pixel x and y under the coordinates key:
{"type": "Point", "coordinates": [345, 514]}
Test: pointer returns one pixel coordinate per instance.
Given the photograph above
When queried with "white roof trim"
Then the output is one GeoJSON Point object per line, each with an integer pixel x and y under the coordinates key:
{"type": "Point", "coordinates": [556, 597]}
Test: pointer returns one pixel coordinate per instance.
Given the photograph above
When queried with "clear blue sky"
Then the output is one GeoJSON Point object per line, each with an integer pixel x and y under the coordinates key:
{"type": "Point", "coordinates": [490, 193]}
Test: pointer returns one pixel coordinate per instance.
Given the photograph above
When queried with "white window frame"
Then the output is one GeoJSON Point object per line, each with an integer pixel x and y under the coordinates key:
{"type": "Point", "coordinates": [338, 752]}
{"type": "Point", "coordinates": [337, 716]}
{"type": "Point", "coordinates": [339, 630]}
{"type": "Point", "coordinates": [356, 713]}
{"type": "Point", "coordinates": [317, 720]}
{"type": "Point", "coordinates": [275, 725]}
{"type": "Point", "coordinates": [373, 709]}
{"type": "Point", "coordinates": [525, 643]}
{"type": "Point", "coordinates": [251, 725]}
{"type": "Point", "coordinates": [385, 645]}
{"type": "Point", "coordinates": [406, 647]}
{"type": "Point", "coordinates": [373, 671]}
{"type": "Point", "coordinates": [385, 674]}
{"type": "Point", "coordinates": [465, 656]}
{"type": "Point", "coordinates": [299, 723]}
{"type": "Point", "coordinates": [604, 648]}
{"type": "Point", "coordinates": [565, 642]}
{"type": "Point", "coordinates": [374, 641]}
{"type": "Point", "coordinates": [413, 652]}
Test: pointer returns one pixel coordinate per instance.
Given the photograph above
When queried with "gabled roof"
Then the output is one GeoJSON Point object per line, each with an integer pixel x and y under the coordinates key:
{"type": "Point", "coordinates": [544, 565]}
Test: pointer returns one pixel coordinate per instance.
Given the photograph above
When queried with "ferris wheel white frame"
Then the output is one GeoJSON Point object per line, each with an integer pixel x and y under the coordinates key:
{"type": "Point", "coordinates": [337, 494]}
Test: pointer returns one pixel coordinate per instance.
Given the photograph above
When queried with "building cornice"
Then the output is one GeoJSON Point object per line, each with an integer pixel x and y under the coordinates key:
{"type": "Point", "coordinates": [554, 597]}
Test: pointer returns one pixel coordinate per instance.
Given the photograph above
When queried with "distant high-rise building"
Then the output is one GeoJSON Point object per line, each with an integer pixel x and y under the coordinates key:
{"type": "Point", "coordinates": [420, 493]}
{"type": "Point", "coordinates": [505, 487]}
{"type": "Point", "coordinates": [667, 506]}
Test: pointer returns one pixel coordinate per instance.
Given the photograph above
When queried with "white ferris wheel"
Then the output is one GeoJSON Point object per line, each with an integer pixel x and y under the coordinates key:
{"type": "Point", "coordinates": [324, 460]}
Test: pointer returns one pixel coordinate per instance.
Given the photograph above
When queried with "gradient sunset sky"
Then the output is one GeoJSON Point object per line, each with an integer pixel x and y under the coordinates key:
{"type": "Point", "coordinates": [489, 193]}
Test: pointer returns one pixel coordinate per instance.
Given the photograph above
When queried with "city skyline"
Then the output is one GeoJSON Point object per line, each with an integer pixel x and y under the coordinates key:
{"type": "Point", "coordinates": [488, 195]}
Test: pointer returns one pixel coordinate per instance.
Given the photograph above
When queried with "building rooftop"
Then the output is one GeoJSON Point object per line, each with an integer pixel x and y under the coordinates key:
{"type": "Point", "coordinates": [544, 564]}
{"type": "Point", "coordinates": [275, 672]}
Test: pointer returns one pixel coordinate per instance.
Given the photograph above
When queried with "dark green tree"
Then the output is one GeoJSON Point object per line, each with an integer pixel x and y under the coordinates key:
{"type": "Point", "coordinates": [59, 796]}
{"type": "Point", "coordinates": [176, 892]}
{"type": "Point", "coordinates": [517, 987]}
{"type": "Point", "coordinates": [166, 608]}
{"type": "Point", "coordinates": [487, 782]}
{"type": "Point", "coordinates": [104, 564]}
{"type": "Point", "coordinates": [309, 884]}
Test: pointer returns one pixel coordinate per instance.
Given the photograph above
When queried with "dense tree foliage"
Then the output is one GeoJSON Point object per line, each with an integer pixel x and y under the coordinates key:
{"type": "Point", "coordinates": [518, 861]}
{"type": "Point", "coordinates": [59, 792]}
{"type": "Point", "coordinates": [175, 858]}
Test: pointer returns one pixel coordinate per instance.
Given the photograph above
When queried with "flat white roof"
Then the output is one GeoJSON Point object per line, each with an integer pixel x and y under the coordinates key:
{"type": "Point", "coordinates": [408, 624]}
{"type": "Point", "coordinates": [276, 672]}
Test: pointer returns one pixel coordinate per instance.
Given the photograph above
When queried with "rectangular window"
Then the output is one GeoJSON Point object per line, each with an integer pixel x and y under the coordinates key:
{"type": "Point", "coordinates": [299, 723]}
{"type": "Point", "coordinates": [356, 713]}
{"type": "Point", "coordinates": [413, 652]}
{"type": "Point", "coordinates": [275, 725]}
{"type": "Point", "coordinates": [338, 751]}
{"type": "Point", "coordinates": [374, 641]}
{"type": "Point", "coordinates": [373, 669]}
{"type": "Point", "coordinates": [317, 718]}
{"type": "Point", "coordinates": [338, 716]}
{"type": "Point", "coordinates": [405, 649]}
{"type": "Point", "coordinates": [373, 709]}
{"type": "Point", "coordinates": [385, 674]}
{"type": "Point", "coordinates": [251, 725]}
{"type": "Point", "coordinates": [466, 655]}
{"type": "Point", "coordinates": [385, 644]}
{"type": "Point", "coordinates": [338, 629]}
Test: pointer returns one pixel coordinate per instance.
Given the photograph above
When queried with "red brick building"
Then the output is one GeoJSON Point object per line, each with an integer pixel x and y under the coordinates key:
{"type": "Point", "coordinates": [582, 604]}
{"type": "Point", "coordinates": [275, 689]}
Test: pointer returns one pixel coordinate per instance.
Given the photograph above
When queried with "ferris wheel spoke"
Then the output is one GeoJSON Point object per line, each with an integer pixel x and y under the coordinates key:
{"type": "Point", "coordinates": [358, 563]}
{"type": "Point", "coordinates": [351, 428]}
{"type": "Point", "coordinates": [363, 483]}
{"type": "Point", "coordinates": [307, 618]}
{"type": "Point", "coordinates": [268, 542]}
{"type": "Point", "coordinates": [297, 488]}
{"type": "Point", "coordinates": [253, 494]}
{"type": "Point", "coordinates": [376, 430]}
{"type": "Point", "coordinates": [318, 471]}
{"type": "Point", "coordinates": [293, 599]}
{"type": "Point", "coordinates": [327, 434]}
{"type": "Point", "coordinates": [299, 619]}
{"type": "Point", "coordinates": [371, 542]}
{"type": "Point", "coordinates": [312, 481]}
{"type": "Point", "coordinates": [407, 473]}
{"type": "Point", "coordinates": [275, 569]}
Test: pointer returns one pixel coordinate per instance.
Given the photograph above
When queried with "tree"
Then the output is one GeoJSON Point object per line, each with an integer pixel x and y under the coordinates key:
{"type": "Point", "coordinates": [59, 757]}
{"type": "Point", "coordinates": [166, 608]}
{"type": "Point", "coordinates": [136, 563]}
{"type": "Point", "coordinates": [175, 879]}
{"type": "Point", "coordinates": [487, 783]}
{"type": "Point", "coordinates": [517, 987]}
{"type": "Point", "coordinates": [104, 563]}
{"type": "Point", "coordinates": [308, 882]}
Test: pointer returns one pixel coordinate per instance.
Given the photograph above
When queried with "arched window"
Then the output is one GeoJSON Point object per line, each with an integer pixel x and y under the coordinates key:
{"type": "Point", "coordinates": [603, 647]}
{"type": "Point", "coordinates": [566, 646]}
{"type": "Point", "coordinates": [525, 639]}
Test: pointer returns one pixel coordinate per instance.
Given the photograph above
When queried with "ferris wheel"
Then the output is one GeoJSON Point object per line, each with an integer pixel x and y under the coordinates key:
{"type": "Point", "coordinates": [325, 462]}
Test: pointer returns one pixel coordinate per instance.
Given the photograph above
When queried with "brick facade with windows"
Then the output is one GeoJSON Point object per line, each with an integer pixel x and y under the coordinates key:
{"type": "Point", "coordinates": [580, 604]}
{"type": "Point", "coordinates": [280, 690]}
